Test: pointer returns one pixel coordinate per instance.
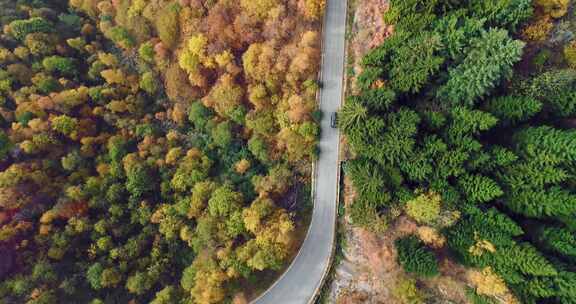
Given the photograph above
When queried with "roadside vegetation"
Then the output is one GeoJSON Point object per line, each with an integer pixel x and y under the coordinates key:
{"type": "Point", "coordinates": [465, 124]}
{"type": "Point", "coordinates": [154, 151]}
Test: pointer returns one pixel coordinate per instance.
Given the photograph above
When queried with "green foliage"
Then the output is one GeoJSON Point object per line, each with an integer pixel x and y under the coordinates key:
{"type": "Point", "coordinates": [222, 134]}
{"type": "Point", "coordinates": [558, 240]}
{"type": "Point", "coordinates": [425, 208]}
{"type": "Point", "coordinates": [146, 52]}
{"type": "Point", "coordinates": [415, 62]}
{"type": "Point", "coordinates": [189, 172]}
{"type": "Point", "coordinates": [351, 115]}
{"type": "Point", "coordinates": [167, 295]}
{"type": "Point", "coordinates": [139, 283]}
{"type": "Point", "coordinates": [72, 21]}
{"type": "Point", "coordinates": [546, 145]}
{"type": "Point", "coordinates": [149, 83]}
{"type": "Point", "coordinates": [258, 148]}
{"type": "Point", "coordinates": [120, 36]}
{"type": "Point", "coordinates": [553, 202]}
{"type": "Point", "coordinates": [113, 182]}
{"type": "Point", "coordinates": [21, 28]}
{"type": "Point", "coordinates": [509, 14]}
{"type": "Point", "coordinates": [378, 99]}
{"type": "Point", "coordinates": [476, 140]}
{"type": "Point", "coordinates": [489, 60]}
{"type": "Point", "coordinates": [199, 115]}
{"type": "Point", "coordinates": [467, 122]}
{"type": "Point", "coordinates": [94, 274]}
{"type": "Point", "coordinates": [64, 124]}
{"type": "Point", "coordinates": [407, 291]}
{"type": "Point", "coordinates": [478, 299]}
{"type": "Point", "coordinates": [368, 77]}
{"type": "Point", "coordinates": [479, 189]}
{"type": "Point", "coordinates": [415, 257]}
{"type": "Point", "coordinates": [511, 110]}
{"type": "Point", "coordinates": [555, 88]}
{"type": "Point", "coordinates": [62, 65]}
{"type": "Point", "coordinates": [369, 181]}
{"type": "Point", "coordinates": [455, 32]}
{"type": "Point", "coordinates": [139, 180]}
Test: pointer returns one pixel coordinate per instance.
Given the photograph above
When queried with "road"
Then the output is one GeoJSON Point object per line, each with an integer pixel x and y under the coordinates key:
{"type": "Point", "coordinates": [300, 283]}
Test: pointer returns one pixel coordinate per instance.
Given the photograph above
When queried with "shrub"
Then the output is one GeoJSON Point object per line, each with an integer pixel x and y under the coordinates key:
{"type": "Point", "coordinates": [415, 257]}
{"type": "Point", "coordinates": [407, 291]}
{"type": "Point", "coordinates": [425, 208]}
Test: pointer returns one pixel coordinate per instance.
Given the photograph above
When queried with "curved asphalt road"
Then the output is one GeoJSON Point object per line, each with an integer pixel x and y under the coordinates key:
{"type": "Point", "coordinates": [300, 283]}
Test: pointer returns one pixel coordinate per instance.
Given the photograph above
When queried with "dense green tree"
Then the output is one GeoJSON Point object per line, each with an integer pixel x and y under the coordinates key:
{"type": "Point", "coordinates": [139, 180]}
{"type": "Point", "coordinates": [62, 65]}
{"type": "Point", "coordinates": [558, 240]}
{"type": "Point", "coordinates": [511, 110]}
{"type": "Point", "coordinates": [351, 115]}
{"type": "Point", "coordinates": [21, 28]}
{"type": "Point", "coordinates": [415, 257]}
{"type": "Point", "coordinates": [489, 60]}
{"type": "Point", "coordinates": [415, 62]}
{"type": "Point", "coordinates": [479, 189]}
{"type": "Point", "coordinates": [506, 14]}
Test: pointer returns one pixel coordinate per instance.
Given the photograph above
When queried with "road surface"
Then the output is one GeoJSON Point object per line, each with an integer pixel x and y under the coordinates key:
{"type": "Point", "coordinates": [300, 283]}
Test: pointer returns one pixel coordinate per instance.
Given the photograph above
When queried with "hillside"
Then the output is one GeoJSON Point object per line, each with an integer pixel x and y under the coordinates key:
{"type": "Point", "coordinates": [154, 151]}
{"type": "Point", "coordinates": [460, 156]}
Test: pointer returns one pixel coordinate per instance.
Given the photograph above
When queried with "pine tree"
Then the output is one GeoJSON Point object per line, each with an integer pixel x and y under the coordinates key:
{"type": "Point", "coordinates": [506, 14]}
{"type": "Point", "coordinates": [489, 60]}
{"type": "Point", "coordinates": [415, 62]}
{"type": "Point", "coordinates": [546, 145]}
{"type": "Point", "coordinates": [415, 257]}
{"type": "Point", "coordinates": [511, 110]}
{"type": "Point", "coordinates": [552, 202]}
{"type": "Point", "coordinates": [479, 188]}
{"type": "Point", "coordinates": [558, 240]}
{"type": "Point", "coordinates": [351, 114]}
{"type": "Point", "coordinates": [378, 99]}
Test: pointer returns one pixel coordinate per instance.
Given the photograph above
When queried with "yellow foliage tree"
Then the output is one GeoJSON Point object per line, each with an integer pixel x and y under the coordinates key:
{"type": "Point", "coordinates": [487, 282]}
{"type": "Point", "coordinates": [538, 30]}
{"type": "Point", "coordinates": [570, 54]}
{"type": "Point", "coordinates": [258, 8]}
{"type": "Point", "coordinates": [314, 9]}
{"type": "Point", "coordinates": [425, 208]}
{"type": "Point", "coordinates": [431, 237]}
{"type": "Point", "coordinates": [555, 8]}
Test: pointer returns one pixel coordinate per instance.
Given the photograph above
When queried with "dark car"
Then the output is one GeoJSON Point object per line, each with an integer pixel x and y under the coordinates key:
{"type": "Point", "coordinates": [334, 120]}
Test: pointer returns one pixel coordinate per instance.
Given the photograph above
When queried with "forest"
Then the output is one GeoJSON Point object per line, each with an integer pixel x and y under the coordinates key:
{"type": "Point", "coordinates": [464, 121]}
{"type": "Point", "coordinates": [154, 151]}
